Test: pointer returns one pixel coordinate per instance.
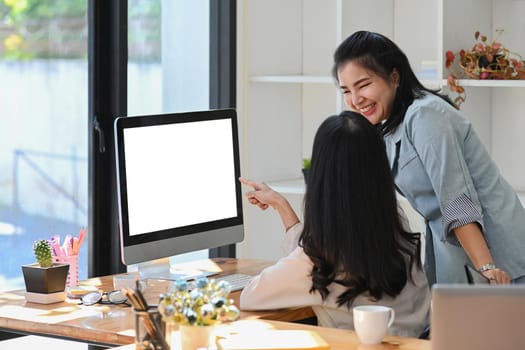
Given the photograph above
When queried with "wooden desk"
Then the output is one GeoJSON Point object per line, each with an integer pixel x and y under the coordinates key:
{"type": "Point", "coordinates": [111, 324]}
{"type": "Point", "coordinates": [38, 342]}
{"type": "Point", "coordinates": [338, 339]}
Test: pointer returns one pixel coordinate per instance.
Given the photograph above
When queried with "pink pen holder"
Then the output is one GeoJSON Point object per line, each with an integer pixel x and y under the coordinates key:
{"type": "Point", "coordinates": [72, 260]}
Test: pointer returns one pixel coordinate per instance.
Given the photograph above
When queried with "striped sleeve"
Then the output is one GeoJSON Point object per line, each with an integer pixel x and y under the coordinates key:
{"type": "Point", "coordinates": [459, 212]}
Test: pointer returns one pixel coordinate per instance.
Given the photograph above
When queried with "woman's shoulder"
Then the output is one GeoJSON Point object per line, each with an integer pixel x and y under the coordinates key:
{"type": "Point", "coordinates": [430, 103]}
{"type": "Point", "coordinates": [430, 110]}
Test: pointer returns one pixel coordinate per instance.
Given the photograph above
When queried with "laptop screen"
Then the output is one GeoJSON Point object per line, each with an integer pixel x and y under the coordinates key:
{"type": "Point", "coordinates": [480, 317]}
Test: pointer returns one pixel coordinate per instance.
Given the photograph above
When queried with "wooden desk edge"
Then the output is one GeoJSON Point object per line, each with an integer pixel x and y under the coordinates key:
{"type": "Point", "coordinates": [339, 339]}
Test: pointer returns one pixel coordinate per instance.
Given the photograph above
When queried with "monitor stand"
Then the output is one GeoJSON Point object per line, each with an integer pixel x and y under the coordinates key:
{"type": "Point", "coordinates": [166, 269]}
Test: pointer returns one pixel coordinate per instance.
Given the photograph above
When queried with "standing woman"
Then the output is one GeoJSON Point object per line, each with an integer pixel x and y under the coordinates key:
{"type": "Point", "coordinates": [438, 163]}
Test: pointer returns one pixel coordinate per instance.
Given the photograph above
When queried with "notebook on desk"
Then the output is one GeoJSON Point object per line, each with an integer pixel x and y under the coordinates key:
{"type": "Point", "coordinates": [480, 317]}
{"type": "Point", "coordinates": [273, 340]}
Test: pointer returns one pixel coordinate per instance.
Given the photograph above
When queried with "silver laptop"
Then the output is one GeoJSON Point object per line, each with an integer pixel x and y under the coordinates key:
{"type": "Point", "coordinates": [477, 317]}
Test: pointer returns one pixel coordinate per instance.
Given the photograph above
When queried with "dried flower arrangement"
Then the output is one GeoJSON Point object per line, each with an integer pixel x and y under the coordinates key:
{"type": "Point", "coordinates": [485, 60]}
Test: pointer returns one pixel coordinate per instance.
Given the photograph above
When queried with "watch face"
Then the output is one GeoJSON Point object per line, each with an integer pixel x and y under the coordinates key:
{"type": "Point", "coordinates": [487, 267]}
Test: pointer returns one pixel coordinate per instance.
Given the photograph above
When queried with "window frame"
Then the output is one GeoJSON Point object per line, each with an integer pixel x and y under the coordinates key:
{"type": "Point", "coordinates": [107, 99]}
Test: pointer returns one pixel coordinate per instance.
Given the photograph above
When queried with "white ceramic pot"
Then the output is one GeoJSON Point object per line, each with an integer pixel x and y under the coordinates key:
{"type": "Point", "coordinates": [194, 337]}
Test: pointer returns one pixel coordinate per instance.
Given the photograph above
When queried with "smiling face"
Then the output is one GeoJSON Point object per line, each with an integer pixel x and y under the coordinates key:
{"type": "Point", "coordinates": [366, 92]}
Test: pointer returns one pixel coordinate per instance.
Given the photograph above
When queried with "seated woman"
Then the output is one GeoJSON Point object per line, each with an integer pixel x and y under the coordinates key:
{"type": "Point", "coordinates": [354, 247]}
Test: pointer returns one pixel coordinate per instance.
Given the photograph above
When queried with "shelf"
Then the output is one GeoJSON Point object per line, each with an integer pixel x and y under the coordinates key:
{"type": "Point", "coordinates": [284, 97]}
{"type": "Point", "coordinates": [489, 83]}
{"type": "Point", "coordinates": [431, 83]}
{"type": "Point", "coordinates": [297, 186]}
{"type": "Point", "coordinates": [288, 186]}
{"type": "Point", "coordinates": [320, 79]}
{"type": "Point", "coordinates": [294, 79]}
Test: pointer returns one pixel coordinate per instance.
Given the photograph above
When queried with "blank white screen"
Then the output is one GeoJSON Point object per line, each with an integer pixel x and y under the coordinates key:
{"type": "Point", "coordinates": [179, 174]}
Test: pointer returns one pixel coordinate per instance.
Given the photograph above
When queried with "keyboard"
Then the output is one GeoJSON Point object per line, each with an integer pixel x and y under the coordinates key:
{"type": "Point", "coordinates": [237, 281]}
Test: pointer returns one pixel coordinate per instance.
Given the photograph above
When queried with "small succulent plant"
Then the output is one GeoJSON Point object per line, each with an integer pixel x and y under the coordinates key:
{"type": "Point", "coordinates": [43, 255]}
{"type": "Point", "coordinates": [306, 163]}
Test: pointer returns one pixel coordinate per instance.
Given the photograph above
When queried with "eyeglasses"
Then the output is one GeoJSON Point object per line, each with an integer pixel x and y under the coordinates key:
{"type": "Point", "coordinates": [113, 297]}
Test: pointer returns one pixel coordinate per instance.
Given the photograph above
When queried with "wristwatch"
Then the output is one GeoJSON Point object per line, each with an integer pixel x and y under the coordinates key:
{"type": "Point", "coordinates": [486, 267]}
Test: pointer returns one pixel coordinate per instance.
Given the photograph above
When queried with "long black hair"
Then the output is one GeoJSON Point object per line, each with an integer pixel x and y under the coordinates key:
{"type": "Point", "coordinates": [382, 56]}
{"type": "Point", "coordinates": [352, 229]}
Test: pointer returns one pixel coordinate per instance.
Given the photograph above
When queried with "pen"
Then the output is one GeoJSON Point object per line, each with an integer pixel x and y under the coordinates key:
{"type": "Point", "coordinates": [66, 245]}
{"type": "Point", "coordinates": [81, 236]}
{"type": "Point", "coordinates": [55, 245]}
{"type": "Point", "coordinates": [76, 247]}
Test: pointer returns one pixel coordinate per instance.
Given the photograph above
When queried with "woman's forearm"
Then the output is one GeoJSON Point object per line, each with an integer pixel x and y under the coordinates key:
{"type": "Point", "coordinates": [474, 244]}
{"type": "Point", "coordinates": [286, 212]}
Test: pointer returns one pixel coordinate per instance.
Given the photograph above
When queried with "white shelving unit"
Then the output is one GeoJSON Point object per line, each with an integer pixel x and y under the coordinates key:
{"type": "Point", "coordinates": [496, 107]}
{"type": "Point", "coordinates": [285, 88]}
{"type": "Point", "coordinates": [490, 83]}
{"type": "Point", "coordinates": [297, 79]}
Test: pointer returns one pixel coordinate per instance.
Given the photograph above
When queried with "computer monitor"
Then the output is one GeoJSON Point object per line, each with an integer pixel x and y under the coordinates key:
{"type": "Point", "coordinates": [177, 181]}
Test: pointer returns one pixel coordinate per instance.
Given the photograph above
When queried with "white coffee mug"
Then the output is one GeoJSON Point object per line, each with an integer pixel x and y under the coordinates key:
{"type": "Point", "coordinates": [371, 322]}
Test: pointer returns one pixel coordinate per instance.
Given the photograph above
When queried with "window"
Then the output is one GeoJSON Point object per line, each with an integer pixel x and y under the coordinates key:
{"type": "Point", "coordinates": [43, 158]}
{"type": "Point", "coordinates": [53, 161]}
{"type": "Point", "coordinates": [168, 56]}
{"type": "Point", "coordinates": [168, 61]}
{"type": "Point", "coordinates": [110, 91]}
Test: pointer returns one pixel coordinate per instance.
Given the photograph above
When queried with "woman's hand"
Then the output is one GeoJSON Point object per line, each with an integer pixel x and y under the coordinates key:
{"type": "Point", "coordinates": [474, 244]}
{"type": "Point", "coordinates": [262, 195]}
{"type": "Point", "coordinates": [496, 276]}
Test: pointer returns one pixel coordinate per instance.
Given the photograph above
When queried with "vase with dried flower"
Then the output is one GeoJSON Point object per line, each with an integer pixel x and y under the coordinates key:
{"type": "Point", "coordinates": [485, 60]}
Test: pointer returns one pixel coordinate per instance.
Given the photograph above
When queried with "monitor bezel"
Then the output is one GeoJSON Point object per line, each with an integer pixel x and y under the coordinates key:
{"type": "Point", "coordinates": [144, 247]}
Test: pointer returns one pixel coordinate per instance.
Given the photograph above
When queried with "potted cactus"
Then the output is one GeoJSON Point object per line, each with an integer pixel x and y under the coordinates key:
{"type": "Point", "coordinates": [45, 280]}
